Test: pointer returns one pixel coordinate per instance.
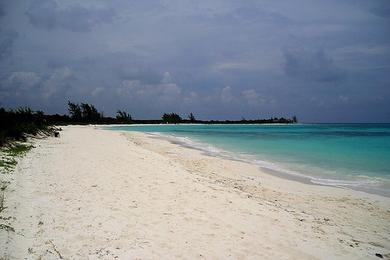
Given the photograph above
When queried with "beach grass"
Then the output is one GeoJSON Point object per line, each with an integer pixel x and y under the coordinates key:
{"type": "Point", "coordinates": [18, 149]}
{"type": "Point", "coordinates": [7, 164]}
{"type": "Point", "coordinates": [8, 161]}
{"type": "Point", "coordinates": [8, 155]}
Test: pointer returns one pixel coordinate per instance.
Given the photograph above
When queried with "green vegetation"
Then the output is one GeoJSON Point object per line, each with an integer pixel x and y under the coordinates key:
{"type": "Point", "coordinates": [3, 186]}
{"type": "Point", "coordinates": [84, 113]}
{"type": "Point", "coordinates": [8, 154]}
{"type": "Point", "coordinates": [17, 149]}
{"type": "Point", "coordinates": [123, 117]}
{"type": "Point", "coordinates": [17, 125]}
{"type": "Point", "coordinates": [191, 117]}
{"type": "Point", "coordinates": [7, 164]}
{"type": "Point", "coordinates": [171, 118]}
{"type": "Point", "coordinates": [7, 228]}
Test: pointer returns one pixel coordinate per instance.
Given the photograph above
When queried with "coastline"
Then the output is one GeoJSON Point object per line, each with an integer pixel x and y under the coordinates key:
{"type": "Point", "coordinates": [372, 185]}
{"type": "Point", "coordinates": [166, 143]}
{"type": "Point", "coordinates": [99, 193]}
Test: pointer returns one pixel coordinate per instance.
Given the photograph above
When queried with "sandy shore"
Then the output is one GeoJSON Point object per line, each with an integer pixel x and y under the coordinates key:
{"type": "Point", "coordinates": [102, 194]}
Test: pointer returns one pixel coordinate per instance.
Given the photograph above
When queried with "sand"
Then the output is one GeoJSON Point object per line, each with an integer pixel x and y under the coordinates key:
{"type": "Point", "coordinates": [98, 194]}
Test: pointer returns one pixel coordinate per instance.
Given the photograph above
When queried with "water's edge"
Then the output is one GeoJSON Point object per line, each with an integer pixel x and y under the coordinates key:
{"type": "Point", "coordinates": [269, 167]}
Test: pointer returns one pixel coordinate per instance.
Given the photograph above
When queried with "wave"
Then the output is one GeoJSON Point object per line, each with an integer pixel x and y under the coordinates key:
{"type": "Point", "coordinates": [369, 184]}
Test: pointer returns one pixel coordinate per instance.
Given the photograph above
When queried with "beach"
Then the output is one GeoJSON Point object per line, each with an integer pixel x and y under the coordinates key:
{"type": "Point", "coordinates": [99, 194]}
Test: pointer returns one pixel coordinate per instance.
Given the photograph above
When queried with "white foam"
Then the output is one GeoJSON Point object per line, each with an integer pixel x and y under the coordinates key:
{"type": "Point", "coordinates": [362, 183]}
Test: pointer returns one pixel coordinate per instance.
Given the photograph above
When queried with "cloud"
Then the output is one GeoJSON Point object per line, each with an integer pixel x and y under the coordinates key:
{"type": "Point", "coordinates": [249, 14]}
{"type": "Point", "coordinates": [47, 14]}
{"type": "Point", "coordinates": [252, 97]}
{"type": "Point", "coordinates": [344, 99]}
{"type": "Point", "coordinates": [217, 58]}
{"type": "Point", "coordinates": [31, 84]}
{"type": "Point", "coordinates": [97, 91]}
{"type": "Point", "coordinates": [7, 39]}
{"type": "Point", "coordinates": [58, 81]}
{"type": "Point", "coordinates": [2, 11]}
{"type": "Point", "coordinates": [161, 92]}
{"type": "Point", "coordinates": [167, 78]}
{"type": "Point", "coordinates": [382, 11]}
{"type": "Point", "coordinates": [234, 65]}
{"type": "Point", "coordinates": [311, 65]}
{"type": "Point", "coordinates": [226, 95]}
{"type": "Point", "coordinates": [21, 80]}
{"type": "Point", "coordinates": [191, 98]}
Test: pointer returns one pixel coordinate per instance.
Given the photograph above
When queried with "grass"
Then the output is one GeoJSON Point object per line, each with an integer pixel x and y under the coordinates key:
{"type": "Point", "coordinates": [7, 163]}
{"type": "Point", "coordinates": [7, 159]}
{"type": "Point", "coordinates": [17, 149]}
{"type": "Point", "coordinates": [3, 226]}
{"type": "Point", "coordinates": [7, 228]}
{"type": "Point", "coordinates": [2, 206]}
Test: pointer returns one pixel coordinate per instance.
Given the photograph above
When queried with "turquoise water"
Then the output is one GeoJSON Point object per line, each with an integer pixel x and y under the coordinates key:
{"type": "Point", "coordinates": [354, 155]}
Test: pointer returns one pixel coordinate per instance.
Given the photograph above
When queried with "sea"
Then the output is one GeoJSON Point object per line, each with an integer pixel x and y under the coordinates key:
{"type": "Point", "coordinates": [355, 156]}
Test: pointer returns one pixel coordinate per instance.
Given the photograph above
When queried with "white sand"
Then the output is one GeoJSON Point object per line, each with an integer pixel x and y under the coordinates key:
{"type": "Point", "coordinates": [102, 194]}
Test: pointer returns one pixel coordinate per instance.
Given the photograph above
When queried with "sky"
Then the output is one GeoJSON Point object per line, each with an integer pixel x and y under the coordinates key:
{"type": "Point", "coordinates": [323, 61]}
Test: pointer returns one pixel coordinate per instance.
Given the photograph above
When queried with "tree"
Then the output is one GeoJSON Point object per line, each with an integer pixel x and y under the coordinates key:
{"type": "Point", "coordinates": [84, 113]}
{"type": "Point", "coordinates": [295, 119]}
{"type": "Point", "coordinates": [171, 118]}
{"type": "Point", "coordinates": [191, 117]}
{"type": "Point", "coordinates": [74, 111]}
{"type": "Point", "coordinates": [123, 117]}
{"type": "Point", "coordinates": [89, 113]}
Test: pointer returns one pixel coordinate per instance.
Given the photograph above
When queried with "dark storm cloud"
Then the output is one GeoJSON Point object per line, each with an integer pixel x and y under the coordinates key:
{"type": "Point", "coordinates": [382, 10]}
{"type": "Point", "coordinates": [216, 58]}
{"type": "Point", "coordinates": [311, 66]}
{"type": "Point", "coordinates": [121, 66]}
{"type": "Point", "coordinates": [7, 39]}
{"type": "Point", "coordinates": [2, 10]}
{"type": "Point", "coordinates": [46, 14]}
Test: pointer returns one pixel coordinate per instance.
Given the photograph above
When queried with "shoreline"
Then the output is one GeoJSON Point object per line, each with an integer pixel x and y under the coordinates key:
{"type": "Point", "coordinates": [94, 193]}
{"type": "Point", "coordinates": [168, 143]}
{"type": "Point", "coordinates": [278, 172]}
{"type": "Point", "coordinates": [170, 138]}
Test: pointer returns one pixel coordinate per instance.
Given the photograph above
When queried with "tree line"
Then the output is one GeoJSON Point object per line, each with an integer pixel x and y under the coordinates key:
{"type": "Point", "coordinates": [19, 123]}
{"type": "Point", "coordinates": [86, 113]}
{"type": "Point", "coordinates": [173, 118]}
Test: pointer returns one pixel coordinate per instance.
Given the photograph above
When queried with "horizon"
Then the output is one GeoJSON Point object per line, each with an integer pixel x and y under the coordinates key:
{"type": "Point", "coordinates": [324, 61]}
{"type": "Point", "coordinates": [186, 116]}
{"type": "Point", "coordinates": [197, 120]}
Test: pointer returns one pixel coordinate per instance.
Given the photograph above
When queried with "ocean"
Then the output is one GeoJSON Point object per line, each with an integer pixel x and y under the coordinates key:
{"type": "Point", "coordinates": [347, 155]}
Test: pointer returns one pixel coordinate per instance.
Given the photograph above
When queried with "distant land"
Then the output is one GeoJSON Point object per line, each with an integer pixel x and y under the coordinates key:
{"type": "Point", "coordinates": [16, 124]}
